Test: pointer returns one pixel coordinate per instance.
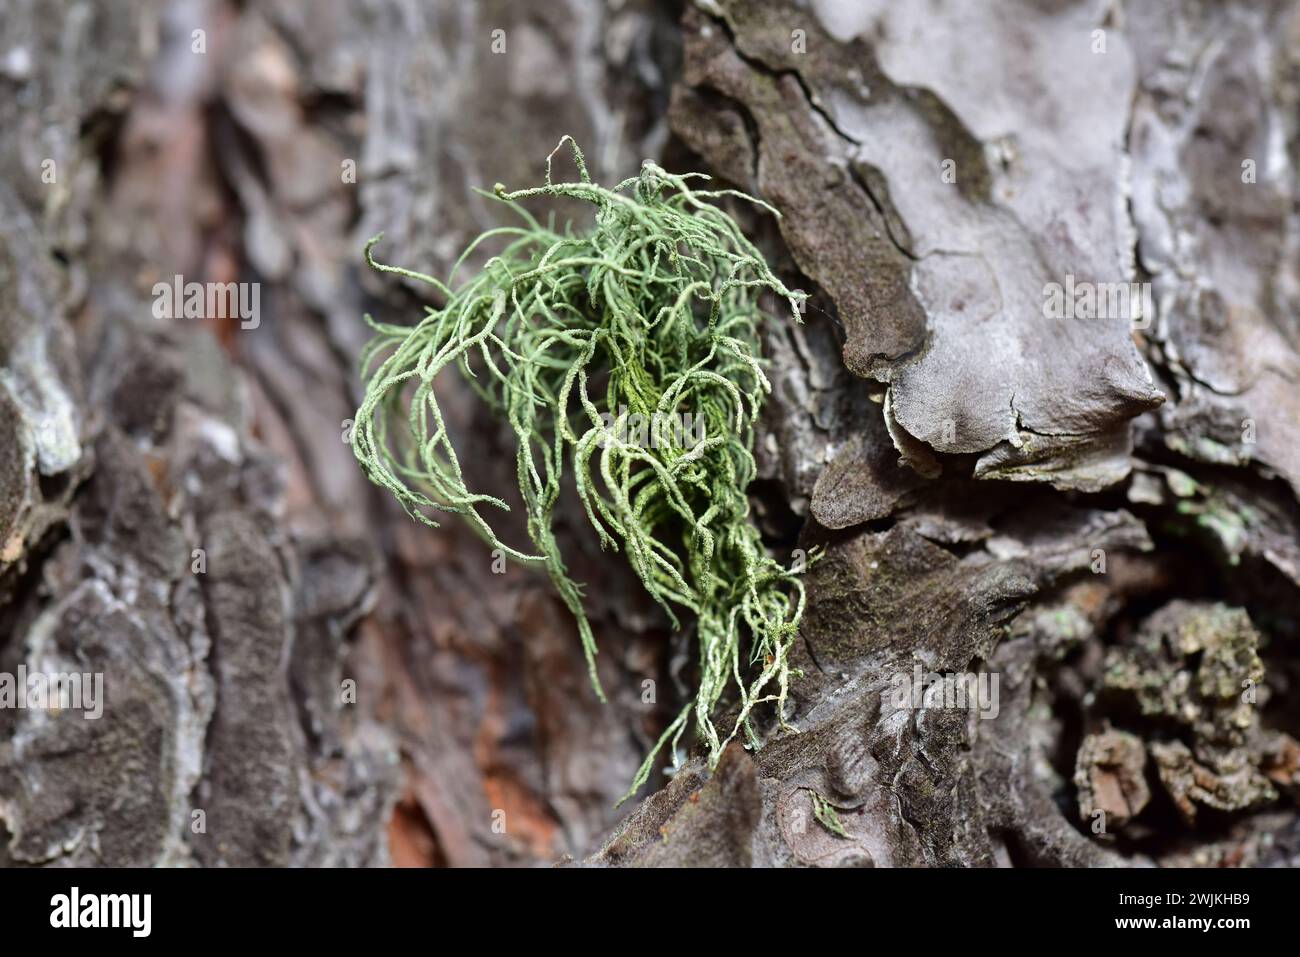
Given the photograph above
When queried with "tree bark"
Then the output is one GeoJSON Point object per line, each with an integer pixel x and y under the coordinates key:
{"type": "Point", "coordinates": [1095, 515]}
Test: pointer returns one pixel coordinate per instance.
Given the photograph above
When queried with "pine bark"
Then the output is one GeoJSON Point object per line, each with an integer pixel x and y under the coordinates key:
{"type": "Point", "coordinates": [1094, 510]}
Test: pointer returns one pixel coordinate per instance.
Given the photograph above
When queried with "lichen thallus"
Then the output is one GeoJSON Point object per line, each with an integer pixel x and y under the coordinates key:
{"type": "Point", "coordinates": [659, 301]}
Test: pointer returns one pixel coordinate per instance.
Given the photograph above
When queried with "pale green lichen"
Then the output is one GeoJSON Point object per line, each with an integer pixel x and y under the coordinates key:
{"type": "Point", "coordinates": [827, 816]}
{"type": "Point", "coordinates": [653, 312]}
{"type": "Point", "coordinates": [1231, 523]}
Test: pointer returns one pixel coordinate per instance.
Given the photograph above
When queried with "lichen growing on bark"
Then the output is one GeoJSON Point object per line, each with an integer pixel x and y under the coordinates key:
{"type": "Point", "coordinates": [1195, 667]}
{"type": "Point", "coordinates": [649, 316]}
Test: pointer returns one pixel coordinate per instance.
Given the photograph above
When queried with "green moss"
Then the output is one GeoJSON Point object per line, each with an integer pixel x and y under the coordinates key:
{"type": "Point", "coordinates": [565, 336]}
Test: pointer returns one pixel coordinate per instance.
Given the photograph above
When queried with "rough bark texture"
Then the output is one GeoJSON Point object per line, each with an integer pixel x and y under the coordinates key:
{"type": "Point", "coordinates": [1099, 513]}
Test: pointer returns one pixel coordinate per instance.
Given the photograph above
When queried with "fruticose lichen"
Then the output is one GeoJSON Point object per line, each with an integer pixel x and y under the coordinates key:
{"type": "Point", "coordinates": [649, 316]}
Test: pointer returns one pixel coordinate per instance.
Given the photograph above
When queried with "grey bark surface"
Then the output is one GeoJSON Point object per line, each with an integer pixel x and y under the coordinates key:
{"type": "Point", "coordinates": [1103, 518]}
